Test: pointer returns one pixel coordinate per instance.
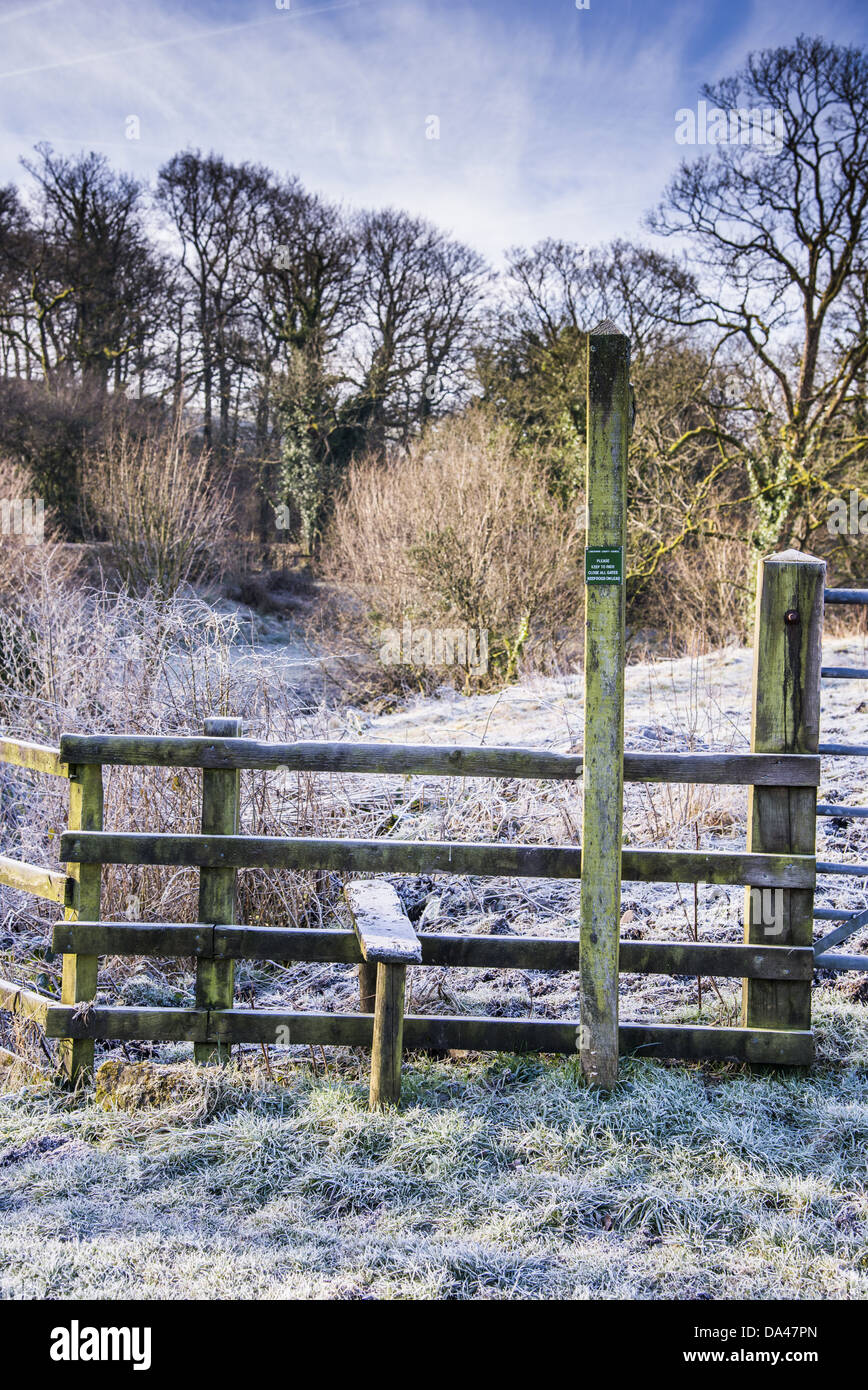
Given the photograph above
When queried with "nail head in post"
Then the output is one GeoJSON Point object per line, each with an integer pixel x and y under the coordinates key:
{"type": "Point", "coordinates": [791, 616]}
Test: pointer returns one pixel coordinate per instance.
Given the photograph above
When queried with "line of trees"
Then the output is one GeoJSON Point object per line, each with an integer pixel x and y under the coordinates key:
{"type": "Point", "coordinates": [302, 334]}
{"type": "Point", "coordinates": [274, 314]}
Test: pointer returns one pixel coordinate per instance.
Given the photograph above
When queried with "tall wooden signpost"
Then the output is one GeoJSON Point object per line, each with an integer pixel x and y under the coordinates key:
{"type": "Point", "coordinates": [608, 432]}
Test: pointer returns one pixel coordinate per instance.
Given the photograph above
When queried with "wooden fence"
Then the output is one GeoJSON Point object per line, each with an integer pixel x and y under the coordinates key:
{"type": "Point", "coordinates": [782, 770]}
{"type": "Point", "coordinates": [216, 942]}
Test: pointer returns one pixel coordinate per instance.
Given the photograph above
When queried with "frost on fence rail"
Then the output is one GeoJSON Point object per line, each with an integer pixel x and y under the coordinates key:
{"type": "Point", "coordinates": [36, 757]}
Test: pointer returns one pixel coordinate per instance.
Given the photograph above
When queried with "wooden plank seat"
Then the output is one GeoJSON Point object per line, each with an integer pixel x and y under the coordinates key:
{"type": "Point", "coordinates": [388, 944]}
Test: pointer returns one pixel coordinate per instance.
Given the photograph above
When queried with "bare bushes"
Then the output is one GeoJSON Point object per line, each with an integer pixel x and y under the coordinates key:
{"type": "Point", "coordinates": [460, 536]}
{"type": "Point", "coordinates": [97, 662]}
{"type": "Point", "coordinates": [32, 559]}
{"type": "Point", "coordinates": [701, 592]}
{"type": "Point", "coordinates": [152, 496]}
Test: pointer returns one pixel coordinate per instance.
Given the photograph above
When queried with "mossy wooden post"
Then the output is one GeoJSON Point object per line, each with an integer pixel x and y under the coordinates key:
{"type": "Point", "coordinates": [785, 719]}
{"type": "Point", "coordinates": [608, 431]}
{"type": "Point", "coordinates": [388, 1039]}
{"type": "Point", "coordinates": [367, 985]}
{"type": "Point", "coordinates": [78, 982]}
{"type": "Point", "coordinates": [215, 979]}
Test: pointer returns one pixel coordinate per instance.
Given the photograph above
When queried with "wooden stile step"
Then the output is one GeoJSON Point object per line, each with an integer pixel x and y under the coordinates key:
{"type": "Point", "coordinates": [381, 924]}
{"type": "Point", "coordinates": [388, 944]}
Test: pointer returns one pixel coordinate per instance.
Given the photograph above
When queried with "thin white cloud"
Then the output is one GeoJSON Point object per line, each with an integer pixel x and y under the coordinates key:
{"type": "Point", "coordinates": [560, 127]}
{"type": "Point", "coordinates": [194, 36]}
{"type": "Point", "coordinates": [28, 10]}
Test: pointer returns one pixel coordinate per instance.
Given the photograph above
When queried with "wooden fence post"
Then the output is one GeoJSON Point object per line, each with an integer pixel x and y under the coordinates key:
{"type": "Point", "coordinates": [215, 979]}
{"type": "Point", "coordinates": [388, 1039]}
{"type": "Point", "coordinates": [785, 719]}
{"type": "Point", "coordinates": [367, 972]}
{"type": "Point", "coordinates": [608, 432]}
{"type": "Point", "coordinates": [78, 981]}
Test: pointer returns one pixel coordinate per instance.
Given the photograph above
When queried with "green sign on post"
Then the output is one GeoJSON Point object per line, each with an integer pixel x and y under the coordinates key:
{"type": "Point", "coordinates": [604, 564]}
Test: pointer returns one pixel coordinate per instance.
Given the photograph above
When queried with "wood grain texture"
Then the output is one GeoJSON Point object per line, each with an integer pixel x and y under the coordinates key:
{"type": "Point", "coordinates": [215, 979]}
{"type": "Point", "coordinates": [423, 856]}
{"type": "Point", "coordinates": [608, 434]}
{"type": "Point", "coordinates": [388, 1035]}
{"type": "Point", "coordinates": [426, 1033]}
{"type": "Point", "coordinates": [79, 979]}
{"type": "Point", "coordinates": [380, 922]}
{"type": "Point", "coordinates": [36, 757]}
{"type": "Point", "coordinates": [725, 959]}
{"type": "Point", "coordinates": [127, 1023]}
{"type": "Point", "coordinates": [26, 1003]}
{"type": "Point", "coordinates": [785, 719]}
{"type": "Point", "coordinates": [165, 939]}
{"type": "Point", "coordinates": [440, 1033]}
{"type": "Point", "coordinates": [50, 884]}
{"type": "Point", "coordinates": [367, 976]}
{"type": "Point", "coordinates": [725, 769]}
{"type": "Point", "coordinates": [735, 769]}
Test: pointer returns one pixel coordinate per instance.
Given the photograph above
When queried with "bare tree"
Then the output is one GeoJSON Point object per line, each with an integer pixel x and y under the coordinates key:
{"type": "Point", "coordinates": [216, 208]}
{"type": "Point", "coordinates": [95, 282]}
{"type": "Point", "coordinates": [374, 320]}
{"type": "Point", "coordinates": [421, 296]}
{"type": "Point", "coordinates": [531, 357]}
{"type": "Point", "coordinates": [778, 231]}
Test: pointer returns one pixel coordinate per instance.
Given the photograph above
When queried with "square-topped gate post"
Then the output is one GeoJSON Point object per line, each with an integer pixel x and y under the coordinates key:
{"type": "Point", "coordinates": [787, 662]}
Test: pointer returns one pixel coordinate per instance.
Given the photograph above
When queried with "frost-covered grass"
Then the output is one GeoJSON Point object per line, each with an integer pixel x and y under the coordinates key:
{"type": "Point", "coordinates": [499, 1178]}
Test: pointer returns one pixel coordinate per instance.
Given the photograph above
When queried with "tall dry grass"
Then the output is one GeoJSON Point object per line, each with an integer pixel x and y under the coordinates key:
{"type": "Point", "coordinates": [700, 594]}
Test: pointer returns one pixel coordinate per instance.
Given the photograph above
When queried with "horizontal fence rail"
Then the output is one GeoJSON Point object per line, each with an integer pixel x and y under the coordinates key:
{"type": "Point", "coordinates": [430, 1032]}
{"type": "Point", "coordinates": [850, 870]}
{"type": "Point", "coordinates": [843, 750]}
{"type": "Point", "coordinates": [735, 769]}
{"type": "Point", "coordinates": [844, 673]}
{"type": "Point", "coordinates": [845, 596]}
{"type": "Point", "coordinates": [33, 756]}
{"type": "Point", "coordinates": [426, 856]}
{"type": "Point", "coordinates": [26, 1003]}
{"type": "Point", "coordinates": [519, 953]}
{"type": "Point", "coordinates": [42, 883]}
{"type": "Point", "coordinates": [844, 812]}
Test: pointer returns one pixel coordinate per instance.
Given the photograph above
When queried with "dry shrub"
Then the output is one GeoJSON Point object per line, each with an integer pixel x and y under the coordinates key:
{"type": "Point", "coordinates": [704, 588]}
{"type": "Point", "coordinates": [84, 661]}
{"type": "Point", "coordinates": [32, 559]}
{"type": "Point", "coordinates": [152, 496]}
{"type": "Point", "coordinates": [461, 533]}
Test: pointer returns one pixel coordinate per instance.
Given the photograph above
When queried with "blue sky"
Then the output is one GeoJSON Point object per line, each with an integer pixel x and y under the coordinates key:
{"type": "Point", "coordinates": [552, 120]}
